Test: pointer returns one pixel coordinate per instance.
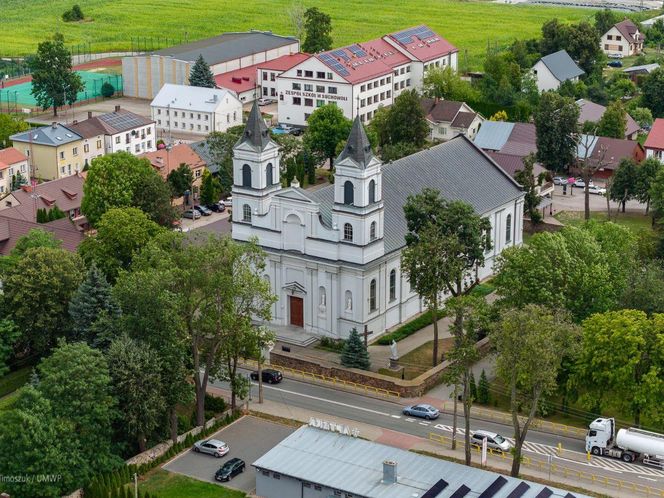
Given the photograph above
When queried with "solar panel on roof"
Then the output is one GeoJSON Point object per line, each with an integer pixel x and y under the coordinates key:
{"type": "Point", "coordinates": [494, 487]}
{"type": "Point", "coordinates": [436, 489]}
{"type": "Point", "coordinates": [342, 54]}
{"type": "Point", "coordinates": [357, 50]}
{"type": "Point", "coordinates": [461, 492]}
{"type": "Point", "coordinates": [545, 493]}
{"type": "Point", "coordinates": [519, 491]}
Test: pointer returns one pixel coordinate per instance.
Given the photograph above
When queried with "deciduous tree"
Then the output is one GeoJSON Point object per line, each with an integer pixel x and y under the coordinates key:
{"type": "Point", "coordinates": [646, 174]}
{"type": "Point", "coordinates": [210, 189]}
{"type": "Point", "coordinates": [556, 121]}
{"type": "Point", "coordinates": [642, 116]}
{"type": "Point", "coordinates": [54, 83]}
{"type": "Point", "coordinates": [604, 20]}
{"type": "Point", "coordinates": [527, 180]}
{"type": "Point", "coordinates": [445, 83]}
{"type": "Point", "coordinates": [318, 29]}
{"type": "Point", "coordinates": [530, 343]}
{"type": "Point", "coordinates": [295, 13]}
{"type": "Point", "coordinates": [613, 122]}
{"type": "Point", "coordinates": [652, 95]}
{"type": "Point", "coordinates": [623, 182]}
{"type": "Point", "coordinates": [201, 75]}
{"type": "Point", "coordinates": [645, 289]}
{"type": "Point", "coordinates": [406, 122]}
{"type": "Point", "coordinates": [9, 335]}
{"type": "Point", "coordinates": [180, 180]}
{"type": "Point", "coordinates": [153, 196]}
{"type": "Point", "coordinates": [327, 127]}
{"type": "Point", "coordinates": [221, 146]}
{"type": "Point", "coordinates": [9, 125]}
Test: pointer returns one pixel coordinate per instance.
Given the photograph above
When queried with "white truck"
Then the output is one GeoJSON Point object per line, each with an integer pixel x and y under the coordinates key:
{"type": "Point", "coordinates": [628, 444]}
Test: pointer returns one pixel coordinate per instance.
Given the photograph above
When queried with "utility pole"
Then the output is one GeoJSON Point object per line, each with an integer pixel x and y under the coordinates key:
{"type": "Point", "coordinates": [135, 485]}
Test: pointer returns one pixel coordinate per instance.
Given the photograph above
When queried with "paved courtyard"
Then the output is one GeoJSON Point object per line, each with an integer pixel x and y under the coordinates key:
{"type": "Point", "coordinates": [248, 438]}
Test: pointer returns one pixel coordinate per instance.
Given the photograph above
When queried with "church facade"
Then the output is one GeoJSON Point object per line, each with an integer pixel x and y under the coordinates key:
{"type": "Point", "coordinates": [334, 254]}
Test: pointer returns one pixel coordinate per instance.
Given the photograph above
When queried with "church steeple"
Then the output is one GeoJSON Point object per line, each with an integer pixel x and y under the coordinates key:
{"type": "Point", "coordinates": [255, 132]}
{"type": "Point", "coordinates": [357, 151]}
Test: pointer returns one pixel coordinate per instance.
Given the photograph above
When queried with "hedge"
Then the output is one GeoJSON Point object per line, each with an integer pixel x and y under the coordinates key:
{"type": "Point", "coordinates": [408, 328]}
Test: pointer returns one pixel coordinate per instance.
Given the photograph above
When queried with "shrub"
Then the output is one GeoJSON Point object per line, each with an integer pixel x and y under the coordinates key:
{"type": "Point", "coordinates": [184, 424]}
{"type": "Point", "coordinates": [483, 390]}
{"type": "Point", "coordinates": [214, 404]}
{"type": "Point", "coordinates": [408, 328]}
{"type": "Point", "coordinates": [107, 90]}
{"type": "Point", "coordinates": [336, 345]}
{"type": "Point", "coordinates": [73, 14]}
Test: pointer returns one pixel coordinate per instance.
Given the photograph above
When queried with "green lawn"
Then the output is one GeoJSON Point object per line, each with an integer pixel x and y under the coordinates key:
{"type": "Point", "coordinates": [8, 401]}
{"type": "Point", "coordinates": [634, 221]}
{"type": "Point", "coordinates": [169, 485]}
{"type": "Point", "coordinates": [13, 380]}
{"type": "Point", "coordinates": [419, 360]}
{"type": "Point", "coordinates": [470, 25]}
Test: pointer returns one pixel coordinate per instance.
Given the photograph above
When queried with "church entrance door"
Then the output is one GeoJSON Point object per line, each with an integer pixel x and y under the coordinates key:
{"type": "Point", "coordinates": [296, 311]}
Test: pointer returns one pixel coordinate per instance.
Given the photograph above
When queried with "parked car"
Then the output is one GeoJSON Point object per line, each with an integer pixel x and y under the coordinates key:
{"type": "Point", "coordinates": [203, 210]}
{"type": "Point", "coordinates": [579, 183]}
{"type": "Point", "coordinates": [559, 180]}
{"type": "Point", "coordinates": [192, 214]}
{"type": "Point", "coordinates": [615, 64]}
{"type": "Point", "coordinates": [269, 375]}
{"type": "Point", "coordinates": [230, 469]}
{"type": "Point", "coordinates": [262, 102]}
{"type": "Point", "coordinates": [594, 189]}
{"type": "Point", "coordinates": [493, 441]}
{"type": "Point", "coordinates": [286, 127]}
{"type": "Point", "coordinates": [217, 207]}
{"type": "Point", "coordinates": [211, 447]}
{"type": "Point", "coordinates": [615, 56]}
{"type": "Point", "coordinates": [423, 411]}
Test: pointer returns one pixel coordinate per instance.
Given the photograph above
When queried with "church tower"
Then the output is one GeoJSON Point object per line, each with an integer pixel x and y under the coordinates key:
{"type": "Point", "coordinates": [358, 199]}
{"type": "Point", "coordinates": [255, 169]}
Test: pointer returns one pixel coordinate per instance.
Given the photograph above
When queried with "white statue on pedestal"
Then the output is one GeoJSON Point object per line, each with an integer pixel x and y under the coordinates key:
{"type": "Point", "coordinates": [394, 354]}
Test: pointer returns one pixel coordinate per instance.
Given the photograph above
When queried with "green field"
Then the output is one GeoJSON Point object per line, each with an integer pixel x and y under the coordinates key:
{"type": "Point", "coordinates": [470, 25]}
{"type": "Point", "coordinates": [634, 221]}
{"type": "Point", "coordinates": [168, 485]}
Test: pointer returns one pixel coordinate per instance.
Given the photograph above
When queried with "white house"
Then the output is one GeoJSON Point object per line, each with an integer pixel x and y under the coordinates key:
{"type": "Point", "coordinates": [554, 69]}
{"type": "Point", "coordinates": [447, 119]}
{"type": "Point", "coordinates": [363, 77]}
{"type": "Point", "coordinates": [193, 109]}
{"type": "Point", "coordinates": [334, 254]}
{"type": "Point", "coordinates": [12, 162]}
{"type": "Point", "coordinates": [622, 40]}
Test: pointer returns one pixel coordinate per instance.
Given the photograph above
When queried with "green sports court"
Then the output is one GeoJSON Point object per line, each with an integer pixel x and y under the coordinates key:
{"type": "Point", "coordinates": [92, 81]}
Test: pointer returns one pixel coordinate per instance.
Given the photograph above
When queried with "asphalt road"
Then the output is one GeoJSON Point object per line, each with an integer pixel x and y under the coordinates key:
{"type": "Point", "coordinates": [388, 415]}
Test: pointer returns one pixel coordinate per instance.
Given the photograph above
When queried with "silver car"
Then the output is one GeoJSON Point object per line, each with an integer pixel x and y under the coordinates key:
{"type": "Point", "coordinates": [423, 411]}
{"type": "Point", "coordinates": [211, 447]}
{"type": "Point", "coordinates": [493, 441]}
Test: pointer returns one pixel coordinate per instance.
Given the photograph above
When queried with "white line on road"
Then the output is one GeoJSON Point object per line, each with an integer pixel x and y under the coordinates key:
{"type": "Point", "coordinates": [647, 478]}
{"type": "Point", "coordinates": [410, 420]}
{"type": "Point", "coordinates": [396, 416]}
{"type": "Point", "coordinates": [424, 423]}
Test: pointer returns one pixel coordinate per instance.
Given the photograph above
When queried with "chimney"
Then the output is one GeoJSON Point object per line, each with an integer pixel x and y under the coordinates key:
{"type": "Point", "coordinates": [54, 125]}
{"type": "Point", "coordinates": [89, 114]}
{"type": "Point", "coordinates": [117, 108]}
{"type": "Point", "coordinates": [389, 472]}
{"type": "Point", "coordinates": [26, 188]}
{"type": "Point", "coordinates": [75, 121]}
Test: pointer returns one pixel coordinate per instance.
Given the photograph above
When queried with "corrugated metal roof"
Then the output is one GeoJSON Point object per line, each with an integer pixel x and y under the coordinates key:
{"type": "Point", "coordinates": [457, 168]}
{"type": "Point", "coordinates": [586, 145]}
{"type": "Point", "coordinates": [493, 135]}
{"type": "Point", "coordinates": [356, 466]}
{"type": "Point", "coordinates": [562, 66]}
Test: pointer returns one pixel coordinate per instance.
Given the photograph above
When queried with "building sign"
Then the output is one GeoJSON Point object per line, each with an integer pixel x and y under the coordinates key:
{"type": "Point", "coordinates": [326, 425]}
{"type": "Point", "coordinates": [314, 95]}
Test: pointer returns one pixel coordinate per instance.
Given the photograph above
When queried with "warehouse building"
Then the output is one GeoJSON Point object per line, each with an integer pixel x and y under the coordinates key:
{"type": "Point", "coordinates": [362, 77]}
{"type": "Point", "coordinates": [144, 75]}
{"type": "Point", "coordinates": [322, 463]}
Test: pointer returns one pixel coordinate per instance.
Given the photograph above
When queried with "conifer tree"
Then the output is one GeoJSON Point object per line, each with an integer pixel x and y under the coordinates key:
{"type": "Point", "coordinates": [201, 75]}
{"type": "Point", "coordinates": [483, 389]}
{"type": "Point", "coordinates": [354, 354]}
{"type": "Point", "coordinates": [473, 386]}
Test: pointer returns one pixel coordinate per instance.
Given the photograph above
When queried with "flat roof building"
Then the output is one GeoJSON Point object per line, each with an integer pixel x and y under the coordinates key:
{"type": "Point", "coordinates": [318, 463]}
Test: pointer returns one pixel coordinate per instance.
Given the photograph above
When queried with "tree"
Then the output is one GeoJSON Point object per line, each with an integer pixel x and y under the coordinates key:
{"type": "Point", "coordinates": [499, 116]}
{"type": "Point", "coordinates": [9, 334]}
{"type": "Point", "coordinates": [589, 160]}
{"type": "Point", "coordinates": [295, 13]}
{"type": "Point", "coordinates": [36, 237]}
{"type": "Point", "coordinates": [406, 122]}
{"type": "Point", "coordinates": [91, 300]}
{"type": "Point", "coordinates": [556, 122]}
{"type": "Point", "coordinates": [327, 127]}
{"type": "Point", "coordinates": [623, 182]}
{"type": "Point", "coordinates": [483, 395]}
{"type": "Point", "coordinates": [10, 125]}
{"type": "Point", "coordinates": [354, 353]}
{"type": "Point", "coordinates": [652, 89]}
{"type": "Point", "coordinates": [620, 357]}
{"type": "Point", "coordinates": [74, 14]}
{"type": "Point", "coordinates": [621, 87]}
{"type": "Point", "coordinates": [180, 180]}
{"type": "Point", "coordinates": [36, 294]}
{"type": "Point", "coordinates": [134, 369]}
{"type": "Point", "coordinates": [554, 37]}
{"type": "Point", "coordinates": [221, 146]}
{"type": "Point", "coordinates": [317, 26]}
{"type": "Point", "coordinates": [445, 83]}
{"type": "Point", "coordinates": [153, 196]}
{"type": "Point", "coordinates": [210, 188]}
{"type": "Point", "coordinates": [111, 182]}
{"type": "Point", "coordinates": [642, 116]}
{"type": "Point", "coordinates": [107, 90]}
{"type": "Point", "coordinates": [613, 122]}
{"type": "Point", "coordinates": [530, 345]}
{"type": "Point", "coordinates": [121, 233]}
{"type": "Point", "coordinates": [18, 180]}
{"type": "Point", "coordinates": [583, 45]}
{"type": "Point", "coordinates": [529, 184]}
{"type": "Point", "coordinates": [54, 83]}
{"type": "Point", "coordinates": [645, 289]}
{"type": "Point", "coordinates": [604, 20]}
{"type": "Point", "coordinates": [201, 75]}
{"type": "Point", "coordinates": [646, 175]}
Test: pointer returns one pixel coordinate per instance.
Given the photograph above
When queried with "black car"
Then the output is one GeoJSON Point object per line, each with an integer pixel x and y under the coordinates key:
{"type": "Point", "coordinates": [615, 64]}
{"type": "Point", "coordinates": [230, 469]}
{"type": "Point", "coordinates": [297, 132]}
{"type": "Point", "coordinates": [269, 375]}
{"type": "Point", "coordinates": [216, 207]}
{"type": "Point", "coordinates": [203, 210]}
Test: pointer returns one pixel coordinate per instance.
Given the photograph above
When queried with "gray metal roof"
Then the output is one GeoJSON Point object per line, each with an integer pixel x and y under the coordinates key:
{"type": "Point", "coordinates": [255, 134]}
{"type": "Point", "coordinates": [53, 135]}
{"type": "Point", "coordinates": [191, 98]}
{"type": "Point", "coordinates": [562, 66]}
{"type": "Point", "coordinates": [227, 46]}
{"type": "Point", "coordinates": [355, 466]}
{"type": "Point", "coordinates": [493, 135]}
{"type": "Point", "coordinates": [457, 168]}
{"type": "Point", "coordinates": [203, 150]}
{"type": "Point", "coordinates": [645, 68]}
{"type": "Point", "coordinates": [358, 148]}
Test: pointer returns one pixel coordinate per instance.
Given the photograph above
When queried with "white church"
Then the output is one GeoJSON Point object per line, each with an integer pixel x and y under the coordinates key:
{"type": "Point", "coordinates": [334, 254]}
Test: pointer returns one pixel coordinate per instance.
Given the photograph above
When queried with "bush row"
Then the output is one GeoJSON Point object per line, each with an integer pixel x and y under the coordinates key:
{"type": "Point", "coordinates": [409, 328]}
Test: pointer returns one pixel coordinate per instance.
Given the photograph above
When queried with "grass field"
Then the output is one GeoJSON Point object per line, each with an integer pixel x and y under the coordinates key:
{"type": "Point", "coordinates": [634, 221]}
{"type": "Point", "coordinates": [419, 359]}
{"type": "Point", "coordinates": [168, 485]}
{"type": "Point", "coordinates": [468, 24]}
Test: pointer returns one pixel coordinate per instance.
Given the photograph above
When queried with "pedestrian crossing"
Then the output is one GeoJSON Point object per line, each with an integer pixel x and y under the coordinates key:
{"type": "Point", "coordinates": [599, 462]}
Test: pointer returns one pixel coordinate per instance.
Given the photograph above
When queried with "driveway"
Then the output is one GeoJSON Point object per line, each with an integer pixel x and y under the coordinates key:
{"type": "Point", "coordinates": [574, 201]}
{"type": "Point", "coordinates": [249, 438]}
{"type": "Point", "coordinates": [205, 221]}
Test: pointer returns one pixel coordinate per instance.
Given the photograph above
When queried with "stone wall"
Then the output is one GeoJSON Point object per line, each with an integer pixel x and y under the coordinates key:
{"type": "Point", "coordinates": [406, 388]}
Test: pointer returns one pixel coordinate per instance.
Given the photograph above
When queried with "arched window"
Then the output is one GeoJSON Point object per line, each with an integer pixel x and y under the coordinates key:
{"type": "Point", "coordinates": [372, 230]}
{"type": "Point", "coordinates": [269, 175]}
{"type": "Point", "coordinates": [372, 295]}
{"type": "Point", "coordinates": [508, 229]}
{"type": "Point", "coordinates": [246, 176]}
{"type": "Point", "coordinates": [348, 301]}
{"type": "Point", "coordinates": [348, 232]}
{"type": "Point", "coordinates": [393, 285]}
{"type": "Point", "coordinates": [246, 212]}
{"type": "Point", "coordinates": [372, 192]}
{"type": "Point", "coordinates": [349, 192]}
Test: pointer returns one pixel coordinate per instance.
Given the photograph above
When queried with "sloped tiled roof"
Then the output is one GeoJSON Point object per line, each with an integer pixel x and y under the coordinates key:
{"type": "Point", "coordinates": [655, 138]}
{"type": "Point", "coordinates": [10, 156]}
{"type": "Point", "coordinates": [628, 29]}
{"type": "Point", "coordinates": [511, 163]}
{"type": "Point", "coordinates": [13, 229]}
{"type": "Point", "coordinates": [590, 111]}
{"type": "Point", "coordinates": [438, 110]}
{"type": "Point", "coordinates": [562, 66]}
{"type": "Point", "coordinates": [464, 119]}
{"type": "Point", "coordinates": [165, 161]}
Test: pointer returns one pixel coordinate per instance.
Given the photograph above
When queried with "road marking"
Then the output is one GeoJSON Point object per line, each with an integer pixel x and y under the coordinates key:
{"type": "Point", "coordinates": [410, 419]}
{"type": "Point", "coordinates": [328, 401]}
{"type": "Point", "coordinates": [396, 416]}
{"type": "Point", "coordinates": [424, 423]}
{"type": "Point", "coordinates": [647, 478]}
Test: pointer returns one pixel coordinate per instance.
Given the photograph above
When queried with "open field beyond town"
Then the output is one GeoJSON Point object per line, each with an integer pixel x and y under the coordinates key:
{"type": "Point", "coordinates": [467, 24]}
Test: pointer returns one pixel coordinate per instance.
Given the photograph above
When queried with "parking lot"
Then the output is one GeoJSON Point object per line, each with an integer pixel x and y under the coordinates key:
{"type": "Point", "coordinates": [248, 439]}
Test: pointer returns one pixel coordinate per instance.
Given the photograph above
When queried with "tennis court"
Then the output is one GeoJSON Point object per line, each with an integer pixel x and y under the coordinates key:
{"type": "Point", "coordinates": [92, 81]}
